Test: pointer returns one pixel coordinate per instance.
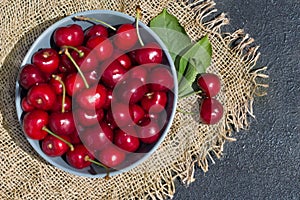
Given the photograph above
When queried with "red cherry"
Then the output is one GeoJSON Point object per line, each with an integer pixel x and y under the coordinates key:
{"type": "Point", "coordinates": [96, 30]}
{"type": "Point", "coordinates": [97, 137]}
{"type": "Point", "coordinates": [56, 85]}
{"type": "Point", "coordinates": [211, 111]}
{"type": "Point", "coordinates": [57, 107]}
{"type": "Point", "coordinates": [139, 72]}
{"type": "Point", "coordinates": [161, 79]}
{"type": "Point", "coordinates": [120, 113]}
{"type": "Point", "coordinates": [78, 158]}
{"type": "Point", "coordinates": [108, 99]}
{"type": "Point", "coordinates": [111, 156]}
{"type": "Point", "coordinates": [85, 58]}
{"type": "Point", "coordinates": [74, 84]}
{"type": "Point", "coordinates": [149, 132]}
{"type": "Point", "coordinates": [33, 123]}
{"type": "Point", "coordinates": [137, 113]}
{"type": "Point", "coordinates": [31, 75]}
{"type": "Point", "coordinates": [26, 107]}
{"type": "Point", "coordinates": [47, 60]}
{"type": "Point", "coordinates": [154, 102]}
{"type": "Point", "coordinates": [124, 60]}
{"type": "Point", "coordinates": [126, 139]}
{"type": "Point", "coordinates": [88, 117]}
{"type": "Point", "coordinates": [66, 66]}
{"type": "Point", "coordinates": [74, 137]}
{"type": "Point", "coordinates": [210, 84]}
{"type": "Point", "coordinates": [126, 37]}
{"type": "Point", "coordinates": [53, 146]}
{"type": "Point", "coordinates": [112, 74]}
{"type": "Point", "coordinates": [150, 53]}
{"type": "Point", "coordinates": [102, 47]}
{"type": "Point", "coordinates": [92, 98]}
{"type": "Point", "coordinates": [71, 35]}
{"type": "Point", "coordinates": [41, 96]}
{"type": "Point", "coordinates": [62, 123]}
{"type": "Point", "coordinates": [131, 90]}
{"type": "Point", "coordinates": [92, 77]}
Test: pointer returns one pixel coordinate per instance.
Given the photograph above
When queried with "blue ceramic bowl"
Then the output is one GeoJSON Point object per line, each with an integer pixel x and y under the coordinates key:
{"type": "Point", "coordinates": [112, 18]}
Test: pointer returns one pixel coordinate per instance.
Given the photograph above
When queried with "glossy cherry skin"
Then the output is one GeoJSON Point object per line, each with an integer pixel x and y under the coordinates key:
{"type": "Point", "coordinates": [140, 73]}
{"type": "Point", "coordinates": [96, 30]}
{"type": "Point", "coordinates": [126, 139]}
{"type": "Point", "coordinates": [210, 84]}
{"type": "Point", "coordinates": [149, 132]}
{"type": "Point", "coordinates": [31, 75]}
{"type": "Point", "coordinates": [121, 114]}
{"type": "Point", "coordinates": [101, 46]}
{"type": "Point", "coordinates": [33, 123]}
{"type": "Point", "coordinates": [112, 73]}
{"type": "Point", "coordinates": [62, 123]}
{"type": "Point", "coordinates": [125, 37]}
{"type": "Point", "coordinates": [161, 79]}
{"type": "Point", "coordinates": [56, 85]}
{"type": "Point", "coordinates": [109, 98]}
{"type": "Point", "coordinates": [88, 117]}
{"type": "Point", "coordinates": [154, 102]}
{"type": "Point", "coordinates": [111, 156]}
{"type": "Point", "coordinates": [92, 98]}
{"type": "Point", "coordinates": [53, 146]}
{"type": "Point", "coordinates": [77, 157]}
{"type": "Point", "coordinates": [150, 53]}
{"type": "Point", "coordinates": [26, 107]}
{"type": "Point", "coordinates": [47, 60]}
{"type": "Point", "coordinates": [66, 66]}
{"type": "Point", "coordinates": [88, 61]}
{"type": "Point", "coordinates": [137, 113]}
{"type": "Point", "coordinates": [71, 35]}
{"type": "Point", "coordinates": [211, 111]}
{"type": "Point", "coordinates": [74, 84]}
{"type": "Point", "coordinates": [97, 137]}
{"type": "Point", "coordinates": [41, 96]}
{"type": "Point", "coordinates": [125, 61]}
{"type": "Point", "coordinates": [57, 107]}
{"type": "Point", "coordinates": [130, 90]}
{"type": "Point", "coordinates": [74, 137]}
{"type": "Point", "coordinates": [92, 77]}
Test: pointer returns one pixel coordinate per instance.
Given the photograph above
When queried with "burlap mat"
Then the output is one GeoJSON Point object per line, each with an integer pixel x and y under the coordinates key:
{"type": "Point", "coordinates": [25, 175]}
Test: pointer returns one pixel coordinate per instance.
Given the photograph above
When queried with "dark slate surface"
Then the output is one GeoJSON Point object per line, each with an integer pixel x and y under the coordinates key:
{"type": "Point", "coordinates": [264, 163]}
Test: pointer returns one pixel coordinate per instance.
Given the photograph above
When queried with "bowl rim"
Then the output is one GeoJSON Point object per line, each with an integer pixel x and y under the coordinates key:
{"type": "Point", "coordinates": [27, 57]}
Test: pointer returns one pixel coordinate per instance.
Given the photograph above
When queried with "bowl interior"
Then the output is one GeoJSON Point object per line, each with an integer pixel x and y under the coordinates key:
{"type": "Point", "coordinates": [113, 18]}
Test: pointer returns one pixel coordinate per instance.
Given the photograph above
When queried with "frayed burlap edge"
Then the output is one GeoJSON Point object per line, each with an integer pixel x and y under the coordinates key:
{"type": "Point", "coordinates": [238, 108]}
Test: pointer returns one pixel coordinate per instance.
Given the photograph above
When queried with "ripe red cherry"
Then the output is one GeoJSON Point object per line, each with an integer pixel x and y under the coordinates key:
{"type": "Point", "coordinates": [53, 146]}
{"type": "Point", "coordinates": [126, 139]}
{"type": "Point", "coordinates": [137, 113]}
{"type": "Point", "coordinates": [47, 60]}
{"type": "Point", "coordinates": [66, 66]}
{"type": "Point", "coordinates": [26, 107]}
{"type": "Point", "coordinates": [139, 72]}
{"type": "Point", "coordinates": [96, 30]}
{"type": "Point", "coordinates": [102, 47]}
{"type": "Point", "coordinates": [41, 96]}
{"type": "Point", "coordinates": [124, 60]}
{"type": "Point", "coordinates": [78, 158]}
{"type": "Point", "coordinates": [131, 90]}
{"type": "Point", "coordinates": [92, 98]}
{"type": "Point", "coordinates": [109, 98]}
{"type": "Point", "coordinates": [149, 132]}
{"type": "Point", "coordinates": [56, 85]}
{"type": "Point", "coordinates": [62, 123]}
{"type": "Point", "coordinates": [154, 102]}
{"type": "Point", "coordinates": [111, 156]}
{"type": "Point", "coordinates": [57, 107]}
{"type": "Point", "coordinates": [97, 137]}
{"type": "Point", "coordinates": [74, 137]}
{"type": "Point", "coordinates": [120, 113]}
{"type": "Point", "coordinates": [161, 79]}
{"type": "Point", "coordinates": [74, 84]}
{"type": "Point", "coordinates": [71, 35]}
{"type": "Point", "coordinates": [31, 75]}
{"type": "Point", "coordinates": [92, 77]}
{"type": "Point", "coordinates": [87, 60]}
{"type": "Point", "coordinates": [112, 74]}
{"type": "Point", "coordinates": [211, 111]}
{"type": "Point", "coordinates": [33, 123]}
{"type": "Point", "coordinates": [210, 84]}
{"type": "Point", "coordinates": [88, 117]}
{"type": "Point", "coordinates": [126, 37]}
{"type": "Point", "coordinates": [150, 53]}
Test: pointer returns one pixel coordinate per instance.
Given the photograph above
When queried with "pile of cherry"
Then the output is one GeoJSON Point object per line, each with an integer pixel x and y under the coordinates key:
{"type": "Point", "coordinates": [96, 95]}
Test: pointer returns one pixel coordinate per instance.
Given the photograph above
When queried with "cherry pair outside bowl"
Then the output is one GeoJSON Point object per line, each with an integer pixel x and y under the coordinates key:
{"type": "Point", "coordinates": [133, 159]}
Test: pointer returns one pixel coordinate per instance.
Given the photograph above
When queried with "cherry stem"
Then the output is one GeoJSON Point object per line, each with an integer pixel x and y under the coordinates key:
{"type": "Point", "coordinates": [80, 53]}
{"type": "Point", "coordinates": [96, 20]}
{"type": "Point", "coordinates": [138, 16]}
{"type": "Point", "coordinates": [77, 67]}
{"type": "Point", "coordinates": [190, 94]}
{"type": "Point", "coordinates": [87, 158]}
{"type": "Point", "coordinates": [58, 137]}
{"type": "Point", "coordinates": [57, 78]}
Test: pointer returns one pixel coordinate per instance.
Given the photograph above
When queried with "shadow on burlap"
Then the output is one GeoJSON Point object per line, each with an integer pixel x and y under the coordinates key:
{"type": "Point", "coordinates": [25, 175]}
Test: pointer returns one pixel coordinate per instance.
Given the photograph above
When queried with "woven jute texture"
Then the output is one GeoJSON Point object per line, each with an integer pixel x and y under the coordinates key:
{"type": "Point", "coordinates": [25, 175]}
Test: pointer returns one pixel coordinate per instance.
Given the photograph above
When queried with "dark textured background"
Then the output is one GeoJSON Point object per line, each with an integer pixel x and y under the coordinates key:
{"type": "Point", "coordinates": [264, 163]}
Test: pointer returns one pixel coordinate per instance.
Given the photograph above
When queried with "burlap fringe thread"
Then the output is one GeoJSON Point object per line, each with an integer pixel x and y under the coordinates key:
{"type": "Point", "coordinates": [198, 19]}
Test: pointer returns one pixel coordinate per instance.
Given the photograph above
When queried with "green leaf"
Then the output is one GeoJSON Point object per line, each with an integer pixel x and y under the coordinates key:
{"type": "Point", "coordinates": [168, 28]}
